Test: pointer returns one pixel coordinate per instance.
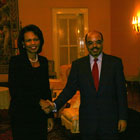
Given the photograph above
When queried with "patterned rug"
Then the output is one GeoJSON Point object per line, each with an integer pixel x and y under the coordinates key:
{"type": "Point", "coordinates": [58, 133]}
{"type": "Point", "coordinates": [7, 135]}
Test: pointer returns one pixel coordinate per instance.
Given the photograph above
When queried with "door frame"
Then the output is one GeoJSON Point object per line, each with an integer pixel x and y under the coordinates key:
{"type": "Point", "coordinates": [55, 12]}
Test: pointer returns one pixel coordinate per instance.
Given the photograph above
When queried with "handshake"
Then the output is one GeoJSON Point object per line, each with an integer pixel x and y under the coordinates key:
{"type": "Point", "coordinates": [47, 106]}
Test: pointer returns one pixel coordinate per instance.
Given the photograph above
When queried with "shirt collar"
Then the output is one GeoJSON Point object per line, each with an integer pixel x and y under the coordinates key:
{"type": "Point", "coordinates": [99, 58]}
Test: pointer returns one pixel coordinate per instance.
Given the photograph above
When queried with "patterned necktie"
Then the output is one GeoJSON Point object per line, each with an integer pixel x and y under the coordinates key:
{"type": "Point", "coordinates": [95, 74]}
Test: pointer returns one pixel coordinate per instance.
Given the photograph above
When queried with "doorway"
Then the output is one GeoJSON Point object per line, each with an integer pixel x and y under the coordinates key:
{"type": "Point", "coordinates": [69, 28]}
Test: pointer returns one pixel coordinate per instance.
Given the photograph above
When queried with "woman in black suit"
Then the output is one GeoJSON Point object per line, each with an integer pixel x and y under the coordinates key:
{"type": "Point", "coordinates": [29, 85]}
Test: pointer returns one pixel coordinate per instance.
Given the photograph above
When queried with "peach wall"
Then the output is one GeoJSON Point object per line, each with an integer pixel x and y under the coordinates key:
{"type": "Point", "coordinates": [124, 41]}
{"type": "Point", "coordinates": [40, 13]}
{"type": "Point", "coordinates": [113, 18]}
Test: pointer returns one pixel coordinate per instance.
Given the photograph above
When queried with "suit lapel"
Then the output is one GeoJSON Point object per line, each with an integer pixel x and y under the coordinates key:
{"type": "Point", "coordinates": [104, 69]}
{"type": "Point", "coordinates": [88, 72]}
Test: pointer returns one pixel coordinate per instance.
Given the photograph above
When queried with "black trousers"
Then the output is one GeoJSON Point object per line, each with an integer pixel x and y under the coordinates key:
{"type": "Point", "coordinates": [99, 137]}
{"type": "Point", "coordinates": [100, 133]}
{"type": "Point", "coordinates": [29, 129]}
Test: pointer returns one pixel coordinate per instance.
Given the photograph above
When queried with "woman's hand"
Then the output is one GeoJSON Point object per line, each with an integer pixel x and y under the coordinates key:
{"type": "Point", "coordinates": [47, 106]}
{"type": "Point", "coordinates": [50, 124]}
{"type": "Point", "coordinates": [122, 124]}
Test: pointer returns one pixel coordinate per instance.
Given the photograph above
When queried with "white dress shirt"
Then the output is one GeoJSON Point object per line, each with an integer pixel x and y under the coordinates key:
{"type": "Point", "coordinates": [99, 62]}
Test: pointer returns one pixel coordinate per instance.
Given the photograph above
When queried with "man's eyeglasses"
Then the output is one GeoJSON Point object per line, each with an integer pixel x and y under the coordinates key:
{"type": "Point", "coordinates": [97, 42]}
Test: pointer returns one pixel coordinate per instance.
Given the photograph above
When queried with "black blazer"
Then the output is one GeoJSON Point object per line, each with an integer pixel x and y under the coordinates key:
{"type": "Point", "coordinates": [27, 86]}
{"type": "Point", "coordinates": [104, 107]}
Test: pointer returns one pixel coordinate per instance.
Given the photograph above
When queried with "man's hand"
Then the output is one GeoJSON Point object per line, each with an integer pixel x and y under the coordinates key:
{"type": "Point", "coordinates": [47, 106]}
{"type": "Point", "coordinates": [44, 104]}
{"type": "Point", "coordinates": [122, 124]}
{"type": "Point", "coordinates": [50, 124]}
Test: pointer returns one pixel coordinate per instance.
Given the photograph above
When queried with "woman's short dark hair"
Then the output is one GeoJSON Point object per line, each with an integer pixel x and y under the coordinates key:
{"type": "Point", "coordinates": [36, 30]}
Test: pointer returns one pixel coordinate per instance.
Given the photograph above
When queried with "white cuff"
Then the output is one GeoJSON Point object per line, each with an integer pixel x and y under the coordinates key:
{"type": "Point", "coordinates": [54, 110]}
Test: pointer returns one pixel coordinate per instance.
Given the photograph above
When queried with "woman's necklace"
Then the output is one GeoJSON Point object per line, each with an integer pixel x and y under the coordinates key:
{"type": "Point", "coordinates": [33, 61]}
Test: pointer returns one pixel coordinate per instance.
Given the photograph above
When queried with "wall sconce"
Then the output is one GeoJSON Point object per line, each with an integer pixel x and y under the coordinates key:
{"type": "Point", "coordinates": [136, 23]}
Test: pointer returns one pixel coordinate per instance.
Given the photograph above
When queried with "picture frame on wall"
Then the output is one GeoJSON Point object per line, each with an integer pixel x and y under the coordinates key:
{"type": "Point", "coordinates": [9, 29]}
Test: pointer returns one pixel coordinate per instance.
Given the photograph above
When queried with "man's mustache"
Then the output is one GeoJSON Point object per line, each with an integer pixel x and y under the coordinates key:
{"type": "Point", "coordinates": [95, 48]}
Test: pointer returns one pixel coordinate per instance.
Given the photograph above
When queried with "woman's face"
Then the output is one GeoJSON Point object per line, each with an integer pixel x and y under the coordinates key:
{"type": "Point", "coordinates": [31, 42]}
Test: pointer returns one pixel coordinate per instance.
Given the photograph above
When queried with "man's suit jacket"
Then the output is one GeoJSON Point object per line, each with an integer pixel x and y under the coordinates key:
{"type": "Point", "coordinates": [102, 108]}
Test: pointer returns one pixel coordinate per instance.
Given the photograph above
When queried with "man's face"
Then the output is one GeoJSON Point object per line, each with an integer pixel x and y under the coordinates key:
{"type": "Point", "coordinates": [94, 44]}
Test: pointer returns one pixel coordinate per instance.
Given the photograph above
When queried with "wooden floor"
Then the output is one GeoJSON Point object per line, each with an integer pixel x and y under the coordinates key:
{"type": "Point", "coordinates": [133, 95]}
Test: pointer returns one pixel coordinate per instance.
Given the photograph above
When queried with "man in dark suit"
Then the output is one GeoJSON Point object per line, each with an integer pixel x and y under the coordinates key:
{"type": "Point", "coordinates": [103, 108]}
